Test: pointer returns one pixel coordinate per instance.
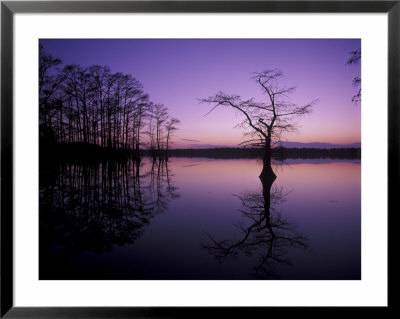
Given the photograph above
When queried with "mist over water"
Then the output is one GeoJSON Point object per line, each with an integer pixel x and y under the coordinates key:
{"type": "Point", "coordinates": [199, 218]}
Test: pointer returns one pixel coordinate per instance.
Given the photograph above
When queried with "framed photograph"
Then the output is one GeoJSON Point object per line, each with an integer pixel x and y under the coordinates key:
{"type": "Point", "coordinates": [188, 158]}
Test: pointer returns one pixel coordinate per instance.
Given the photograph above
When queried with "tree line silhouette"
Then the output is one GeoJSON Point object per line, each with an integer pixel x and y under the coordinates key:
{"type": "Point", "coordinates": [94, 106]}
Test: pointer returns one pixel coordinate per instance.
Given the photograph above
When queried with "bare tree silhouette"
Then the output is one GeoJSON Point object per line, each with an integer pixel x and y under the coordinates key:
{"type": "Point", "coordinates": [355, 58]}
{"type": "Point", "coordinates": [264, 121]}
{"type": "Point", "coordinates": [171, 127]}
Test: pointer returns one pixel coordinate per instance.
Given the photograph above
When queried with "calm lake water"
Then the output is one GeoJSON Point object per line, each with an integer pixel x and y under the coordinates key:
{"type": "Point", "coordinates": [198, 218]}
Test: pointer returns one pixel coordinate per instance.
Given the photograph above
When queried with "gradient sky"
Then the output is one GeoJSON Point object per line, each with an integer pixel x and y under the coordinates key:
{"type": "Point", "coordinates": [177, 73]}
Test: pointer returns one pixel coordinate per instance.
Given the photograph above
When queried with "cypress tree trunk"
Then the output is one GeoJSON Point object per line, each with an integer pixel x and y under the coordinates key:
{"type": "Point", "coordinates": [267, 172]}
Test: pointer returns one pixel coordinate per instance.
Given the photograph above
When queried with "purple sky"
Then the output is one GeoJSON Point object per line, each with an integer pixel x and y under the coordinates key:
{"type": "Point", "coordinates": [177, 73]}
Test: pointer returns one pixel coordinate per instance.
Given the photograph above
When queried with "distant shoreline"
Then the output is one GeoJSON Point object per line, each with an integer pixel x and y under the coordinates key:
{"type": "Point", "coordinates": [277, 153]}
{"type": "Point", "coordinates": [88, 153]}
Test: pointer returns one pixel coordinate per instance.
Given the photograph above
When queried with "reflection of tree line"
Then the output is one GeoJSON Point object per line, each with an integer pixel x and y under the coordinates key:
{"type": "Point", "coordinates": [94, 207]}
{"type": "Point", "coordinates": [266, 233]}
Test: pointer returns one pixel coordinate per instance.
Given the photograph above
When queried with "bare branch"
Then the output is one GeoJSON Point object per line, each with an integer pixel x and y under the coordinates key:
{"type": "Point", "coordinates": [235, 102]}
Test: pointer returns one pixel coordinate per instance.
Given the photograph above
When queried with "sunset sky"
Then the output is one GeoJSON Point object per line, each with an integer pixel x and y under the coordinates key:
{"type": "Point", "coordinates": [177, 73]}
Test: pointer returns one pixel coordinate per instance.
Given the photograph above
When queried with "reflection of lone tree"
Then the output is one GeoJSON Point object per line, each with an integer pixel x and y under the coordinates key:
{"type": "Point", "coordinates": [265, 120]}
{"type": "Point", "coordinates": [266, 231]}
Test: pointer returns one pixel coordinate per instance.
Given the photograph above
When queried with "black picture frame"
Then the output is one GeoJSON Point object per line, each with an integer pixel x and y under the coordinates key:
{"type": "Point", "coordinates": [9, 8]}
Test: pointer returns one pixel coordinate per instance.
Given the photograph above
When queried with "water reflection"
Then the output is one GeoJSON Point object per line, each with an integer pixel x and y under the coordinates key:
{"type": "Point", "coordinates": [130, 221]}
{"type": "Point", "coordinates": [265, 232]}
{"type": "Point", "coordinates": [94, 207]}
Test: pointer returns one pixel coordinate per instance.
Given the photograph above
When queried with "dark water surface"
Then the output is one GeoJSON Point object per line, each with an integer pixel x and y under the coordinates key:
{"type": "Point", "coordinates": [201, 219]}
